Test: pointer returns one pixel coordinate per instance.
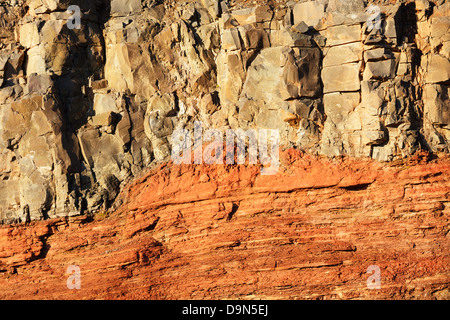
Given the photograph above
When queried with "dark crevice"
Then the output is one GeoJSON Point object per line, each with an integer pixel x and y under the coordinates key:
{"type": "Point", "coordinates": [357, 187]}
{"type": "Point", "coordinates": [234, 209]}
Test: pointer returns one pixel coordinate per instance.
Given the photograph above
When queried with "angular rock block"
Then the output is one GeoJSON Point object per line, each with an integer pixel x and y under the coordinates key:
{"type": "Point", "coordinates": [341, 78]}
{"type": "Point", "coordinates": [380, 70]}
{"type": "Point", "coordinates": [310, 12]}
{"type": "Point", "coordinates": [120, 7]}
{"type": "Point", "coordinates": [438, 69]}
{"type": "Point", "coordinates": [342, 54]}
{"type": "Point", "coordinates": [436, 104]}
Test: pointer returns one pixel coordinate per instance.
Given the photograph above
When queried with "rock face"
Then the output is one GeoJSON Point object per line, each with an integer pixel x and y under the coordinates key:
{"type": "Point", "coordinates": [204, 232]}
{"type": "Point", "coordinates": [83, 110]}
{"type": "Point", "coordinates": [92, 91]}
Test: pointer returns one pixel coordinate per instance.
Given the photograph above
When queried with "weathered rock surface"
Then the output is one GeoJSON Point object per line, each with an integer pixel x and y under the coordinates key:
{"type": "Point", "coordinates": [205, 232]}
{"type": "Point", "coordinates": [85, 110]}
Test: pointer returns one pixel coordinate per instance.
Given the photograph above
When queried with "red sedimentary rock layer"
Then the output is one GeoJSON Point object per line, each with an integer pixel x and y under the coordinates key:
{"type": "Point", "coordinates": [220, 232]}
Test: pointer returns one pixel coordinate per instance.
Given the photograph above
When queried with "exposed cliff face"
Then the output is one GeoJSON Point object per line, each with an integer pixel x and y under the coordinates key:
{"type": "Point", "coordinates": [204, 232]}
{"type": "Point", "coordinates": [84, 110]}
{"type": "Point", "coordinates": [358, 93]}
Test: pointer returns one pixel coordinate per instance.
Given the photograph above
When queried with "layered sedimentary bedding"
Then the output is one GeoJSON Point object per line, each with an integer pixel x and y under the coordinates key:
{"type": "Point", "coordinates": [84, 110]}
{"type": "Point", "coordinates": [205, 232]}
{"type": "Point", "coordinates": [358, 91]}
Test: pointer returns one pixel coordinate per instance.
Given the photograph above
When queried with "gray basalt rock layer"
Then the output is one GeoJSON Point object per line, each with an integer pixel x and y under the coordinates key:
{"type": "Point", "coordinates": [84, 110]}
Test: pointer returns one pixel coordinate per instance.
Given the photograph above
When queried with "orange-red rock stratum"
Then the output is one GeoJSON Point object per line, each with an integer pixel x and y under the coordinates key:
{"type": "Point", "coordinates": [226, 232]}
